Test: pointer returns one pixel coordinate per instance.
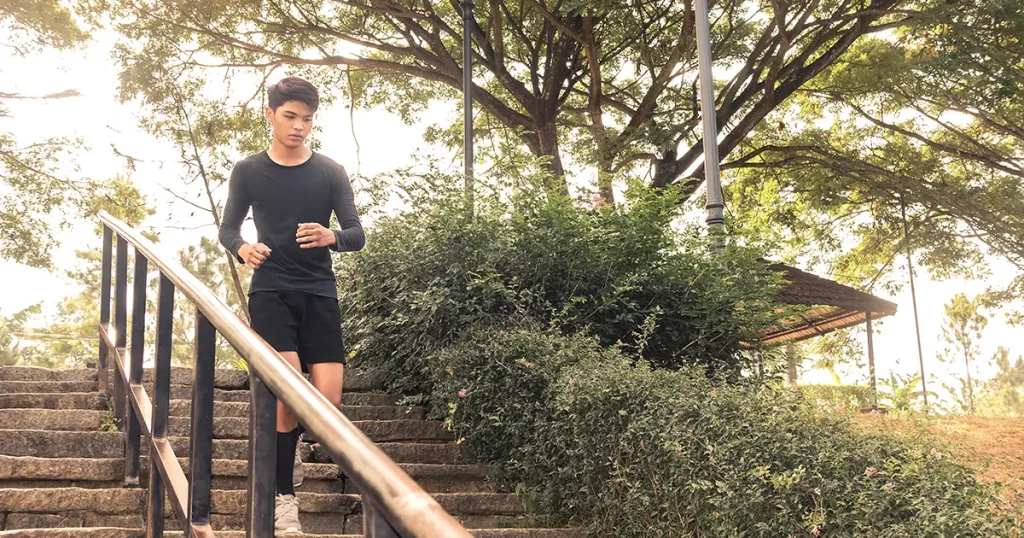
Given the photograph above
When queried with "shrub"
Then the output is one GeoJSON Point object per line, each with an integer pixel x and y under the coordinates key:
{"type": "Point", "coordinates": [429, 274]}
{"type": "Point", "coordinates": [842, 397]}
{"type": "Point", "coordinates": [494, 388]}
{"type": "Point", "coordinates": [629, 451]}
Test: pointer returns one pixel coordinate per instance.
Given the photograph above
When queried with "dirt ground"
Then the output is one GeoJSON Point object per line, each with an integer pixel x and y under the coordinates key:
{"type": "Point", "coordinates": [994, 446]}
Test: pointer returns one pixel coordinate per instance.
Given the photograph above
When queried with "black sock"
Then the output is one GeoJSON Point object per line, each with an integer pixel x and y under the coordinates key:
{"type": "Point", "coordinates": [286, 442]}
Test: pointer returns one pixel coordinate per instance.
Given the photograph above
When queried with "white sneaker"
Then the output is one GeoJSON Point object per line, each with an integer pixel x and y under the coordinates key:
{"type": "Point", "coordinates": [286, 515]}
{"type": "Point", "coordinates": [298, 472]}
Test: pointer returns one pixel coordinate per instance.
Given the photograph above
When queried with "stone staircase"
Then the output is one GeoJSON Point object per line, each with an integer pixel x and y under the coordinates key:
{"type": "Point", "coordinates": [61, 467]}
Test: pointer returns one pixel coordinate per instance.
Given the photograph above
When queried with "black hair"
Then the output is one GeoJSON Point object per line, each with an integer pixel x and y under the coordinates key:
{"type": "Point", "coordinates": [293, 89]}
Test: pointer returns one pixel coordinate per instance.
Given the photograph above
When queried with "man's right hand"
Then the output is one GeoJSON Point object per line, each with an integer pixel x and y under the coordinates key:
{"type": "Point", "coordinates": [254, 255]}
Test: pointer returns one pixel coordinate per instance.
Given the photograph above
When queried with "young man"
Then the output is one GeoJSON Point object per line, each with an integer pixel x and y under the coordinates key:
{"type": "Point", "coordinates": [293, 299]}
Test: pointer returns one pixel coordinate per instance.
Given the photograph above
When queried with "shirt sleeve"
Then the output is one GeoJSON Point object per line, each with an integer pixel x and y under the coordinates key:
{"type": "Point", "coordinates": [235, 210]}
{"type": "Point", "coordinates": [350, 237]}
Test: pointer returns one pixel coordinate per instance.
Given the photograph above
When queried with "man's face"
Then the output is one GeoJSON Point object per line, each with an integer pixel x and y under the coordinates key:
{"type": "Point", "coordinates": [292, 122]}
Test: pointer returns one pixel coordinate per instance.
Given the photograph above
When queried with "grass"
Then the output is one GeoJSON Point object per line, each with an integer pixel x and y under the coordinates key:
{"type": "Point", "coordinates": [992, 445]}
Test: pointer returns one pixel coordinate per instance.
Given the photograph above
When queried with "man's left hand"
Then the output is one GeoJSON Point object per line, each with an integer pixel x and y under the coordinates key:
{"type": "Point", "coordinates": [313, 235]}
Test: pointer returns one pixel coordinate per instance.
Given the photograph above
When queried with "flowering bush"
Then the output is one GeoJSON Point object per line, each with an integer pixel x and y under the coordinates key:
{"type": "Point", "coordinates": [624, 450]}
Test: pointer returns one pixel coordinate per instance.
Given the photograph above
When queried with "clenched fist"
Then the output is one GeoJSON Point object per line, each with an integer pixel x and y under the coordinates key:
{"type": "Point", "coordinates": [313, 235]}
{"type": "Point", "coordinates": [254, 255]}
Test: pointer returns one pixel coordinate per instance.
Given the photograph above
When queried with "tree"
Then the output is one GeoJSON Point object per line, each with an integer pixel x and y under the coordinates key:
{"type": "Point", "coordinates": [205, 261]}
{"type": "Point", "coordinates": [612, 85]}
{"type": "Point", "coordinates": [210, 137]}
{"type": "Point", "coordinates": [962, 331]}
{"type": "Point", "coordinates": [12, 331]}
{"type": "Point", "coordinates": [1004, 394]}
{"type": "Point", "coordinates": [926, 119]}
{"type": "Point", "coordinates": [609, 83]}
{"type": "Point", "coordinates": [35, 189]}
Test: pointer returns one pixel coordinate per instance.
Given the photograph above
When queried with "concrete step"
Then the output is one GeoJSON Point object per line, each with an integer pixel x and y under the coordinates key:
{"type": "Point", "coordinates": [29, 472]}
{"type": "Point", "coordinates": [93, 400]}
{"type": "Point", "coordinates": [319, 512]}
{"type": "Point", "coordinates": [78, 420]}
{"type": "Point", "coordinates": [34, 373]}
{"type": "Point", "coordinates": [74, 400]}
{"type": "Point", "coordinates": [184, 392]}
{"type": "Point", "coordinates": [61, 444]}
{"type": "Point", "coordinates": [224, 378]}
{"type": "Point", "coordinates": [46, 387]}
{"type": "Point", "coordinates": [108, 532]}
{"type": "Point", "coordinates": [183, 408]}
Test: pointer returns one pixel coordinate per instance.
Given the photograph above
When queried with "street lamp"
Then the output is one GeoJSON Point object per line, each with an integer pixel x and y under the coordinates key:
{"type": "Point", "coordinates": [715, 202]}
{"type": "Point", "coordinates": [467, 95]}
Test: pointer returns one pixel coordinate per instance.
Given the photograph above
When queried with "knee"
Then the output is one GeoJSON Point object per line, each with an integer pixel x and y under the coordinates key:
{"type": "Point", "coordinates": [333, 396]}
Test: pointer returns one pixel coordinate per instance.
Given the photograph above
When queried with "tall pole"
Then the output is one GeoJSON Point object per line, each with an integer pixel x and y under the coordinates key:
{"type": "Point", "coordinates": [715, 202]}
{"type": "Point", "coordinates": [467, 95]}
{"type": "Point", "coordinates": [871, 361]}
{"type": "Point", "coordinates": [913, 297]}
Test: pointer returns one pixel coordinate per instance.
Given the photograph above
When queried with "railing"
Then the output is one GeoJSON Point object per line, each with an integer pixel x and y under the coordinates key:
{"type": "Point", "coordinates": [393, 504]}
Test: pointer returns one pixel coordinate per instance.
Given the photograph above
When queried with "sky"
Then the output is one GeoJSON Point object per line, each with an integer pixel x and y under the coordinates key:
{"type": "Point", "coordinates": [386, 144]}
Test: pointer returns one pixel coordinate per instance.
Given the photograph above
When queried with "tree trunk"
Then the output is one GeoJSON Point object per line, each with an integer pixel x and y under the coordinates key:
{"type": "Point", "coordinates": [970, 384]}
{"type": "Point", "coordinates": [791, 366]}
{"type": "Point", "coordinates": [602, 157]}
{"type": "Point", "coordinates": [232, 266]}
{"type": "Point", "coordinates": [543, 142]}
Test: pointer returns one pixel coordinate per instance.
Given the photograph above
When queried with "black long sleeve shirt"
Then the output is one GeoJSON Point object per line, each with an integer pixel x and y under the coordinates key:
{"type": "Point", "coordinates": [282, 197]}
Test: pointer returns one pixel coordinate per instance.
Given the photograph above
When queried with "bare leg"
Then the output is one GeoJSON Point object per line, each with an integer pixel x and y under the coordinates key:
{"type": "Point", "coordinates": [286, 421]}
{"type": "Point", "coordinates": [328, 378]}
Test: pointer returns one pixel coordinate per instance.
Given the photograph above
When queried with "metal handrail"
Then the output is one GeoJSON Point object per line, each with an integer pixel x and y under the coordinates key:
{"type": "Point", "coordinates": [394, 505]}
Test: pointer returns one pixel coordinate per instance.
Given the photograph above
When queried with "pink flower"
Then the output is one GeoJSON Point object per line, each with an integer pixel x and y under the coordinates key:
{"type": "Point", "coordinates": [597, 198]}
{"type": "Point", "coordinates": [888, 487]}
{"type": "Point", "coordinates": [572, 382]}
{"type": "Point", "coordinates": [870, 471]}
{"type": "Point", "coordinates": [501, 333]}
{"type": "Point", "coordinates": [529, 365]}
{"type": "Point", "coordinates": [462, 394]}
{"type": "Point", "coordinates": [936, 454]}
{"type": "Point", "coordinates": [816, 531]}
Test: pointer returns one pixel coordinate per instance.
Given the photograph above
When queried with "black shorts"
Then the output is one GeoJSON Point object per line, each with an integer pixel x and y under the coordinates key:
{"type": "Point", "coordinates": [302, 322]}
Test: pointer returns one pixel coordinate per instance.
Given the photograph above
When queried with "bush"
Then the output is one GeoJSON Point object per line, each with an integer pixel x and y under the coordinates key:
{"type": "Point", "coordinates": [625, 450]}
{"type": "Point", "coordinates": [495, 387]}
{"type": "Point", "coordinates": [431, 273]}
{"type": "Point", "coordinates": [841, 397]}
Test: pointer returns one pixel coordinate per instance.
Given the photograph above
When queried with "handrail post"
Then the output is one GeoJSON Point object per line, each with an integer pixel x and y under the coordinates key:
{"type": "Point", "coordinates": [262, 484]}
{"type": "Point", "coordinates": [120, 323]}
{"type": "Point", "coordinates": [132, 446]}
{"type": "Point", "coordinates": [374, 524]}
{"type": "Point", "coordinates": [201, 435]}
{"type": "Point", "coordinates": [161, 402]}
{"type": "Point", "coordinates": [105, 274]}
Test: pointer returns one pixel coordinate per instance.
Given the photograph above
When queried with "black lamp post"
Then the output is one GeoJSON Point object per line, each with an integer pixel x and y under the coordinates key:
{"type": "Point", "coordinates": [467, 94]}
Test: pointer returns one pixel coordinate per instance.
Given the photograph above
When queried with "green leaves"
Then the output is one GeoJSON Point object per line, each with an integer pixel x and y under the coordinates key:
{"type": "Point", "coordinates": [38, 24]}
{"type": "Point", "coordinates": [623, 275]}
{"type": "Point", "coordinates": [37, 197]}
{"type": "Point", "coordinates": [592, 439]}
{"type": "Point", "coordinates": [919, 117]}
